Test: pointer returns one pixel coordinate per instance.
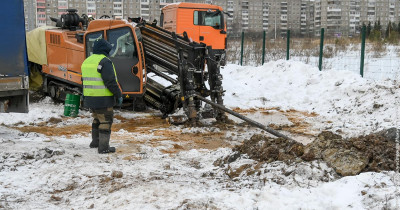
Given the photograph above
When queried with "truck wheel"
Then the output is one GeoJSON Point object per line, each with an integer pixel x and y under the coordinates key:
{"type": "Point", "coordinates": [53, 92]}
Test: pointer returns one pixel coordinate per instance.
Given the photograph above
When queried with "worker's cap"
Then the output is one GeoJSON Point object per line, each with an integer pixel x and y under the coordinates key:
{"type": "Point", "coordinates": [101, 46]}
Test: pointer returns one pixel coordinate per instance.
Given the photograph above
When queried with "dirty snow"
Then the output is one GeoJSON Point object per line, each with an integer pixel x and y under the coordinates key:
{"type": "Point", "coordinates": [61, 172]}
{"type": "Point", "coordinates": [353, 105]}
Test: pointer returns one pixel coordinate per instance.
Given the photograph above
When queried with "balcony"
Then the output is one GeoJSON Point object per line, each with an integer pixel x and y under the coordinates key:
{"type": "Point", "coordinates": [334, 9]}
{"type": "Point", "coordinates": [331, 15]}
{"type": "Point", "coordinates": [41, 1]}
{"type": "Point", "coordinates": [333, 24]}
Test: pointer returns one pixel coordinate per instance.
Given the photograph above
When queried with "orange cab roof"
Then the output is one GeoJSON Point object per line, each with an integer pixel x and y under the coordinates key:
{"type": "Point", "coordinates": [104, 24]}
{"type": "Point", "coordinates": [192, 5]}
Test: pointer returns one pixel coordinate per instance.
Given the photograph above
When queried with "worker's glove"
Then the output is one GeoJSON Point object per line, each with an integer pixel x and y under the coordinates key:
{"type": "Point", "coordinates": [120, 99]}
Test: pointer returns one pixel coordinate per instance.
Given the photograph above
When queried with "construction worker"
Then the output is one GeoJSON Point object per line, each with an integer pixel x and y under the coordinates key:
{"type": "Point", "coordinates": [100, 91]}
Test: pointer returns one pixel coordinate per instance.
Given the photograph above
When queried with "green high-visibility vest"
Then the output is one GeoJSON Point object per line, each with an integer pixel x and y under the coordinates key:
{"type": "Point", "coordinates": [93, 84]}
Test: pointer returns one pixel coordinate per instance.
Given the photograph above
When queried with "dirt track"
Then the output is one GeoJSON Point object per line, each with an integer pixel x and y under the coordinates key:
{"type": "Point", "coordinates": [210, 135]}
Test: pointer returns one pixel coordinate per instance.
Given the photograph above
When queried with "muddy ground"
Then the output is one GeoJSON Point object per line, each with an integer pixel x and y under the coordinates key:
{"type": "Point", "coordinates": [347, 156]}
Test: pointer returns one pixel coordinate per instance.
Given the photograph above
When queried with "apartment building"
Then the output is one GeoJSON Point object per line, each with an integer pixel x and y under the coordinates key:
{"type": "Point", "coordinates": [383, 10]}
{"type": "Point", "coordinates": [38, 12]}
{"type": "Point", "coordinates": [273, 16]}
{"type": "Point", "coordinates": [30, 14]}
{"type": "Point", "coordinates": [302, 17]}
{"type": "Point", "coordinates": [345, 18]}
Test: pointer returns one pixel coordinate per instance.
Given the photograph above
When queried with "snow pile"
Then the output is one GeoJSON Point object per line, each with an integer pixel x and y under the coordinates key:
{"type": "Point", "coordinates": [351, 103]}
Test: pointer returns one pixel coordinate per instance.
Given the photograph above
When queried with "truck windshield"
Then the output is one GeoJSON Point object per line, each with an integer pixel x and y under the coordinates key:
{"type": "Point", "coordinates": [123, 43]}
{"type": "Point", "coordinates": [208, 18]}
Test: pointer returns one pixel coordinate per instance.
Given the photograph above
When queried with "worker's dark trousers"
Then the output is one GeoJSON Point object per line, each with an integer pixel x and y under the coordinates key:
{"type": "Point", "coordinates": [102, 119]}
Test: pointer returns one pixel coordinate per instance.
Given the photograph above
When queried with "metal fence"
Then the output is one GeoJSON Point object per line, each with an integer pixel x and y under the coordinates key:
{"type": "Point", "coordinates": [372, 60]}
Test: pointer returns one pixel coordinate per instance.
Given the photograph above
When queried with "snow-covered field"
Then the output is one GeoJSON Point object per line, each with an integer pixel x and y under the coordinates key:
{"type": "Point", "coordinates": [45, 161]}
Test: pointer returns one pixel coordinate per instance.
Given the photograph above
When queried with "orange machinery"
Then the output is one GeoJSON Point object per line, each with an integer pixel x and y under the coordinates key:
{"type": "Point", "coordinates": [67, 46]}
{"type": "Point", "coordinates": [67, 49]}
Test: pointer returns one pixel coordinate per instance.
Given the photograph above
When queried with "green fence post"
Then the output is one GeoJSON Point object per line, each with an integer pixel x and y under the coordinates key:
{"type": "Point", "coordinates": [263, 49]}
{"type": "Point", "coordinates": [287, 44]}
{"type": "Point", "coordinates": [241, 50]}
{"type": "Point", "coordinates": [321, 49]}
{"type": "Point", "coordinates": [362, 50]}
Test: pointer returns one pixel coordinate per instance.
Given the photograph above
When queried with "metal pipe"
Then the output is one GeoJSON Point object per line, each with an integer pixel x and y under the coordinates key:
{"type": "Point", "coordinates": [252, 122]}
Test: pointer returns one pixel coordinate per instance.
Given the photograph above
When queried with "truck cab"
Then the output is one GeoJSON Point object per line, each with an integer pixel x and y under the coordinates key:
{"type": "Point", "coordinates": [201, 22]}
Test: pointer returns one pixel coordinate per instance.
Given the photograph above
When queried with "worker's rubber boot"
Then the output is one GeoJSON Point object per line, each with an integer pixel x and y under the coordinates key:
{"type": "Point", "coordinates": [104, 142]}
{"type": "Point", "coordinates": [95, 136]}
